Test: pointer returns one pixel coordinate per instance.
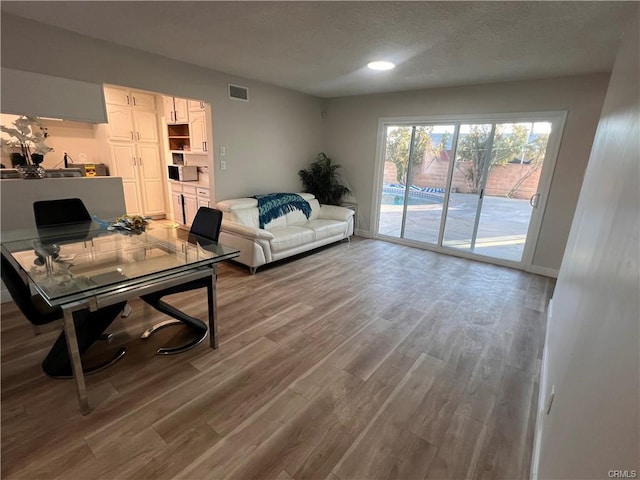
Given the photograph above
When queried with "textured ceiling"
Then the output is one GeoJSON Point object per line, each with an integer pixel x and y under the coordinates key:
{"type": "Point", "coordinates": [321, 48]}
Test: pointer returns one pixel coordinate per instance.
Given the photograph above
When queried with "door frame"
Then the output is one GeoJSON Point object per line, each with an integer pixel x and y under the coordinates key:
{"type": "Point", "coordinates": [558, 120]}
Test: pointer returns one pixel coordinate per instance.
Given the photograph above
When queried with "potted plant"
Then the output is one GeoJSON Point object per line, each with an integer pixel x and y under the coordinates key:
{"type": "Point", "coordinates": [29, 135]}
{"type": "Point", "coordinates": [322, 180]}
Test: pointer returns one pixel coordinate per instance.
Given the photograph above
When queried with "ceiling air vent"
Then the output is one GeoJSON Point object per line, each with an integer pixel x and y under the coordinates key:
{"type": "Point", "coordinates": [236, 92]}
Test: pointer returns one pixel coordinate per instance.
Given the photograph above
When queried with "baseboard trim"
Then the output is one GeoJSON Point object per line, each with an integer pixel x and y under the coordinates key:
{"type": "Point", "coordinates": [363, 233]}
{"type": "Point", "coordinates": [544, 271]}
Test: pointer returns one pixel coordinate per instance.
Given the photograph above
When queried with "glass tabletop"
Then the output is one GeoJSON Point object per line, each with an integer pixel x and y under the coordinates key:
{"type": "Point", "coordinates": [73, 263]}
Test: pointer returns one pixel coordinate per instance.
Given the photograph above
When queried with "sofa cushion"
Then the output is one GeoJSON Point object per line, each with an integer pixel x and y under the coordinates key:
{"type": "Point", "coordinates": [285, 238]}
{"type": "Point", "coordinates": [237, 204]}
{"type": "Point", "coordinates": [245, 216]}
{"type": "Point", "coordinates": [326, 228]}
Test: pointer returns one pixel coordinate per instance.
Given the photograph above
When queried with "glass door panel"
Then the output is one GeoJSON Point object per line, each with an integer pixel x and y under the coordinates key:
{"type": "Point", "coordinates": [427, 179]}
{"type": "Point", "coordinates": [511, 187]}
{"type": "Point", "coordinates": [396, 160]}
{"type": "Point", "coordinates": [473, 155]}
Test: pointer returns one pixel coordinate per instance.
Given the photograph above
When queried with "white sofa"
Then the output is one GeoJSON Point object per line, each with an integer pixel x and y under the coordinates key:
{"type": "Point", "coordinates": [283, 237]}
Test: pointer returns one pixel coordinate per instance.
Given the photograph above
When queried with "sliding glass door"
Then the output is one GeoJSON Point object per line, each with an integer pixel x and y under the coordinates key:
{"type": "Point", "coordinates": [414, 181]}
{"type": "Point", "coordinates": [467, 186]}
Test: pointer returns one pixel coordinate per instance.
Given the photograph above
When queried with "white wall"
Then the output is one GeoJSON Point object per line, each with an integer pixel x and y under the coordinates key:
{"type": "Point", "coordinates": [352, 124]}
{"type": "Point", "coordinates": [267, 140]}
{"type": "Point", "coordinates": [592, 349]}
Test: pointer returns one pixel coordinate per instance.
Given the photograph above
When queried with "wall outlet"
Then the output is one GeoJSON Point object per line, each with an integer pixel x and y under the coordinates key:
{"type": "Point", "coordinates": [223, 165]}
{"type": "Point", "coordinates": [223, 151]}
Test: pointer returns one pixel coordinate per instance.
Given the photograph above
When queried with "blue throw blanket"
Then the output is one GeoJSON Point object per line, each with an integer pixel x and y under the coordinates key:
{"type": "Point", "coordinates": [274, 205]}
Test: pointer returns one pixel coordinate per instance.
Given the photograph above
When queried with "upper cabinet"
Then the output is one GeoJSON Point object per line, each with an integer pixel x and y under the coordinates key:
{"type": "Point", "coordinates": [175, 110]}
{"type": "Point", "coordinates": [196, 106]}
{"type": "Point", "coordinates": [198, 132]}
{"type": "Point", "coordinates": [131, 115]}
{"type": "Point", "coordinates": [129, 98]}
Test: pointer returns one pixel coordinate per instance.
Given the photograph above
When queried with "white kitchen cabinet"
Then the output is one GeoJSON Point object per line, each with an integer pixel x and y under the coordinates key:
{"type": "Point", "coordinates": [198, 132]}
{"type": "Point", "coordinates": [145, 125]}
{"type": "Point", "coordinates": [203, 197]}
{"type": "Point", "coordinates": [123, 159]}
{"type": "Point", "coordinates": [120, 126]}
{"type": "Point", "coordinates": [196, 106]}
{"type": "Point", "coordinates": [140, 167]}
{"type": "Point", "coordinates": [135, 151]}
{"type": "Point", "coordinates": [127, 124]}
{"type": "Point", "coordinates": [187, 199]}
{"type": "Point", "coordinates": [190, 208]}
{"type": "Point", "coordinates": [151, 179]}
{"type": "Point", "coordinates": [129, 98]}
{"type": "Point", "coordinates": [176, 110]}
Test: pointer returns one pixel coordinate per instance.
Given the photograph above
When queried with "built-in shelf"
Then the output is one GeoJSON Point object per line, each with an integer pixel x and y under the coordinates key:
{"type": "Point", "coordinates": [179, 139]}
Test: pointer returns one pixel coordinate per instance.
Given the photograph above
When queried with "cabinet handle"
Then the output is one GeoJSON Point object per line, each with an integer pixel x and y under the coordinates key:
{"type": "Point", "coordinates": [138, 133]}
{"type": "Point", "coordinates": [172, 115]}
{"type": "Point", "coordinates": [202, 105]}
{"type": "Point", "coordinates": [134, 161]}
{"type": "Point", "coordinates": [140, 161]}
{"type": "Point", "coordinates": [127, 99]}
{"type": "Point", "coordinates": [134, 100]}
{"type": "Point", "coordinates": [204, 146]}
{"type": "Point", "coordinates": [131, 134]}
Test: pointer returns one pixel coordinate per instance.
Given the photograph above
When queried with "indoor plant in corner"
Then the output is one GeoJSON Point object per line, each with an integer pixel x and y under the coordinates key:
{"type": "Point", "coordinates": [29, 135]}
{"type": "Point", "coordinates": [322, 180]}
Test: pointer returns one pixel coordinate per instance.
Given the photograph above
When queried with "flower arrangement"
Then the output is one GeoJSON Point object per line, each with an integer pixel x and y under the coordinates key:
{"type": "Point", "coordinates": [29, 135]}
{"type": "Point", "coordinates": [130, 223]}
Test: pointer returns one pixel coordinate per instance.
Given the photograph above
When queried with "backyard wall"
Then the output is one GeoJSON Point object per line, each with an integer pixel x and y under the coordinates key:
{"type": "Point", "coordinates": [502, 178]}
{"type": "Point", "coordinates": [267, 139]}
{"type": "Point", "coordinates": [352, 139]}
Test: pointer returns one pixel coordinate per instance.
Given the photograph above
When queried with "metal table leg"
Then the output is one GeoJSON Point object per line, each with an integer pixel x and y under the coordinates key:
{"type": "Point", "coordinates": [212, 308]}
{"type": "Point", "coordinates": [76, 362]}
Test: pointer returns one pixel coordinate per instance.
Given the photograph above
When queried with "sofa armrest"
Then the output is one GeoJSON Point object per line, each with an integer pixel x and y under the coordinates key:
{"type": "Point", "coordinates": [245, 231]}
{"type": "Point", "coordinates": [333, 212]}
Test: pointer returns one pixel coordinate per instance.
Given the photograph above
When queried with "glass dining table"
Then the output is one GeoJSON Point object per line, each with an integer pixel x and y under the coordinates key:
{"type": "Point", "coordinates": [87, 266]}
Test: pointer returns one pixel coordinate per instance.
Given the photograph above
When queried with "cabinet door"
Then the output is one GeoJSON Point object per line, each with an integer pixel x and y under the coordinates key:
{"type": "Point", "coordinates": [182, 110]}
{"type": "Point", "coordinates": [143, 100]}
{"type": "Point", "coordinates": [198, 132]}
{"type": "Point", "coordinates": [151, 179]}
{"type": "Point", "coordinates": [146, 126]}
{"type": "Point", "coordinates": [176, 201]}
{"type": "Point", "coordinates": [190, 208]}
{"type": "Point", "coordinates": [125, 164]}
{"type": "Point", "coordinates": [196, 106]}
{"type": "Point", "coordinates": [117, 96]}
{"type": "Point", "coordinates": [169, 110]}
{"type": "Point", "coordinates": [120, 126]}
{"type": "Point", "coordinates": [203, 202]}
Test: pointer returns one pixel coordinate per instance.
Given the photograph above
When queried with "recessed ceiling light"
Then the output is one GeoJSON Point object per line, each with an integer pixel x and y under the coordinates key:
{"type": "Point", "coordinates": [381, 65]}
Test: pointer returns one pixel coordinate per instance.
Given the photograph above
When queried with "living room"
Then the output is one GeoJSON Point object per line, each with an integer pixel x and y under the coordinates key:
{"type": "Point", "coordinates": [268, 139]}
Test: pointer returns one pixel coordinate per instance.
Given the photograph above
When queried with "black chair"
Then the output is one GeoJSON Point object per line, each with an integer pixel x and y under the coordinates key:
{"type": "Point", "coordinates": [65, 212]}
{"type": "Point", "coordinates": [89, 325]}
{"type": "Point", "coordinates": [206, 225]}
{"type": "Point", "coordinates": [50, 213]}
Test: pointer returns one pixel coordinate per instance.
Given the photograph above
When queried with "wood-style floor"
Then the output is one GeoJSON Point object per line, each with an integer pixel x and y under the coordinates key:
{"type": "Point", "coordinates": [364, 360]}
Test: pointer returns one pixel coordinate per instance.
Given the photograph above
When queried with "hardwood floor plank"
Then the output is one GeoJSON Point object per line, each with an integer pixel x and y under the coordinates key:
{"type": "Point", "coordinates": [459, 450]}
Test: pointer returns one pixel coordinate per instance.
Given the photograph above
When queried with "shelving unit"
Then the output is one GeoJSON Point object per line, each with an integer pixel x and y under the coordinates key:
{"type": "Point", "coordinates": [179, 139]}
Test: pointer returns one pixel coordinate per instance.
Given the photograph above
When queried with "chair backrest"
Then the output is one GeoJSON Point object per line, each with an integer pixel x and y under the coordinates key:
{"type": "Point", "coordinates": [207, 223]}
{"type": "Point", "coordinates": [64, 211]}
{"type": "Point", "coordinates": [21, 294]}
